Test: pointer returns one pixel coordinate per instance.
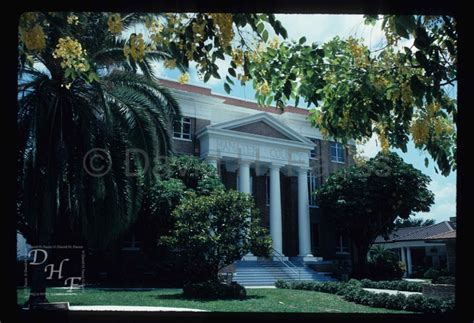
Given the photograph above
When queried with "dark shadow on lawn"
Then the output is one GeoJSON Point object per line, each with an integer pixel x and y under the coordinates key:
{"type": "Point", "coordinates": [105, 289]}
{"type": "Point", "coordinates": [180, 296]}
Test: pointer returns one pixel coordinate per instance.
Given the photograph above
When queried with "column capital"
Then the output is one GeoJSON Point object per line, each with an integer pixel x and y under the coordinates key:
{"type": "Point", "coordinates": [244, 162]}
{"type": "Point", "coordinates": [303, 169]}
{"type": "Point", "coordinates": [275, 166]}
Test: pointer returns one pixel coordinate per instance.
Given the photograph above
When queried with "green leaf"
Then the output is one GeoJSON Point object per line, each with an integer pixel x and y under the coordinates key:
{"type": "Point", "coordinates": [401, 30]}
{"type": "Point", "coordinates": [231, 71]}
{"type": "Point", "coordinates": [219, 54]}
{"type": "Point", "coordinates": [260, 27]}
{"type": "Point", "coordinates": [302, 40]}
{"type": "Point", "coordinates": [422, 40]}
{"type": "Point", "coordinates": [426, 162]}
{"type": "Point", "coordinates": [207, 76]}
{"type": "Point", "coordinates": [227, 88]}
{"type": "Point", "coordinates": [408, 22]}
{"type": "Point", "coordinates": [265, 35]}
{"type": "Point", "coordinates": [297, 100]}
{"type": "Point", "coordinates": [287, 89]}
{"type": "Point", "coordinates": [215, 73]}
{"type": "Point", "coordinates": [416, 86]}
{"type": "Point", "coordinates": [269, 100]}
{"type": "Point", "coordinates": [228, 79]}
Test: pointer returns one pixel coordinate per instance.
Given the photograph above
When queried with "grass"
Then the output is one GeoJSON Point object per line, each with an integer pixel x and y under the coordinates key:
{"type": "Point", "coordinates": [258, 300]}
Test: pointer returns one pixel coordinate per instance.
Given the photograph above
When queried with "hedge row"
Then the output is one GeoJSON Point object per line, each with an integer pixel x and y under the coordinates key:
{"type": "Point", "coordinates": [353, 291]}
{"type": "Point", "coordinates": [392, 284]}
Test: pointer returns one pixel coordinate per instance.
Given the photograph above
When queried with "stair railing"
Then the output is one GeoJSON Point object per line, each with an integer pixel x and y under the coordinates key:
{"type": "Point", "coordinates": [293, 268]}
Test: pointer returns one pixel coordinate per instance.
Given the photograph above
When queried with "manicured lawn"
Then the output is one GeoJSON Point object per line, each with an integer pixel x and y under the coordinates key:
{"type": "Point", "coordinates": [258, 300]}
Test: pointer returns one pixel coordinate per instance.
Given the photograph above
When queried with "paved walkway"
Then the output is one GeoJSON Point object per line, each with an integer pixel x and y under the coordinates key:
{"type": "Point", "coordinates": [132, 308]}
{"type": "Point", "coordinates": [257, 287]}
{"type": "Point", "coordinates": [391, 291]}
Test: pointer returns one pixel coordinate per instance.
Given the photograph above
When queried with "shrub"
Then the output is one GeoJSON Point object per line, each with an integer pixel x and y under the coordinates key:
{"type": "Point", "coordinates": [383, 264]}
{"type": "Point", "coordinates": [214, 290]}
{"type": "Point", "coordinates": [414, 303]}
{"type": "Point", "coordinates": [280, 283]}
{"type": "Point", "coordinates": [445, 280]}
{"type": "Point", "coordinates": [401, 285]}
{"type": "Point", "coordinates": [431, 273]}
{"type": "Point", "coordinates": [353, 291]}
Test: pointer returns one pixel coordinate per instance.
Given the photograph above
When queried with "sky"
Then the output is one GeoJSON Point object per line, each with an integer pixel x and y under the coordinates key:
{"type": "Point", "coordinates": [319, 29]}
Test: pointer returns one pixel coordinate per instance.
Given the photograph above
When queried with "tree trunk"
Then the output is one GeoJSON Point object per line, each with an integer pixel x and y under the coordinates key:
{"type": "Point", "coordinates": [38, 285]}
{"type": "Point", "coordinates": [360, 267]}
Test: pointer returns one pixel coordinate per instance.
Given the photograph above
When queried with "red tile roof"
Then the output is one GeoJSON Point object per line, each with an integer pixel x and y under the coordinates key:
{"type": "Point", "coordinates": [229, 100]}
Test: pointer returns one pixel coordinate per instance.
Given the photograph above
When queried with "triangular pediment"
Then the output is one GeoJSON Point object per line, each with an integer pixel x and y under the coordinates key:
{"type": "Point", "coordinates": [263, 124]}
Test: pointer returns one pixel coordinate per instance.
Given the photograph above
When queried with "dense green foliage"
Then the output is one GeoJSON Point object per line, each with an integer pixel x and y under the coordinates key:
{"type": "Point", "coordinates": [384, 264]}
{"type": "Point", "coordinates": [402, 285]}
{"type": "Point", "coordinates": [353, 291]}
{"type": "Point", "coordinates": [214, 290]}
{"type": "Point", "coordinates": [364, 200]}
{"type": "Point", "coordinates": [214, 231]}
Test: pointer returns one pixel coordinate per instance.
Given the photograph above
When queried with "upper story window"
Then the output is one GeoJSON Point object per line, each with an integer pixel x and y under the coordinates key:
{"type": "Point", "coordinates": [313, 154]}
{"type": "Point", "coordinates": [337, 152]}
{"type": "Point", "coordinates": [182, 128]}
{"type": "Point", "coordinates": [312, 187]}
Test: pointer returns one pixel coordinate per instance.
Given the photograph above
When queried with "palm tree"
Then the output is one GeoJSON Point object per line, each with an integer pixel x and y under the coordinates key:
{"type": "Point", "coordinates": [60, 123]}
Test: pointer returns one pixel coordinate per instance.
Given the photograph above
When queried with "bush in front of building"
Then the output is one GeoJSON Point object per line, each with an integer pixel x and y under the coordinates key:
{"type": "Point", "coordinates": [383, 264]}
{"type": "Point", "coordinates": [213, 289]}
{"type": "Point", "coordinates": [353, 291]}
{"type": "Point", "coordinates": [433, 273]}
{"type": "Point", "coordinates": [448, 280]}
{"type": "Point", "coordinates": [213, 231]}
{"type": "Point", "coordinates": [401, 285]}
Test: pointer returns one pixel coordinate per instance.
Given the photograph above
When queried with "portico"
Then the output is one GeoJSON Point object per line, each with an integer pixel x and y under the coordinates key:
{"type": "Point", "coordinates": [264, 145]}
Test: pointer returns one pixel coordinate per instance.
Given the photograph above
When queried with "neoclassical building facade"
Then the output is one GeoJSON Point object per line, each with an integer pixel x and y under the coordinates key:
{"type": "Point", "coordinates": [273, 154]}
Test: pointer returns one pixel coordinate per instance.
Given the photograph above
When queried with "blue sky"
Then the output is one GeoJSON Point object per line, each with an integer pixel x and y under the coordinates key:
{"type": "Point", "coordinates": [319, 29]}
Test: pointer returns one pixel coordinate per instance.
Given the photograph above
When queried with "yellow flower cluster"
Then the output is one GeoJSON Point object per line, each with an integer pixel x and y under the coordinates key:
{"type": "Point", "coordinates": [33, 38]}
{"type": "Point", "coordinates": [170, 63]}
{"type": "Point", "coordinates": [238, 57]}
{"type": "Point", "coordinates": [28, 18]}
{"type": "Point", "coordinates": [263, 88]}
{"type": "Point", "coordinates": [384, 143]}
{"type": "Point", "coordinates": [432, 108]}
{"type": "Point", "coordinates": [115, 24]}
{"type": "Point", "coordinates": [153, 25]}
{"type": "Point", "coordinates": [73, 20]}
{"type": "Point", "coordinates": [420, 132]}
{"type": "Point", "coordinates": [242, 77]}
{"type": "Point", "coordinates": [198, 29]}
{"type": "Point", "coordinates": [357, 51]}
{"type": "Point", "coordinates": [224, 22]}
{"type": "Point", "coordinates": [274, 43]}
{"type": "Point", "coordinates": [135, 48]}
{"type": "Point", "coordinates": [69, 50]}
{"type": "Point", "coordinates": [406, 94]}
{"type": "Point", "coordinates": [183, 78]}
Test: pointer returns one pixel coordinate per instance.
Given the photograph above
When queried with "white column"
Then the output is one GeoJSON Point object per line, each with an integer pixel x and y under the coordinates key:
{"type": "Point", "coordinates": [304, 234]}
{"type": "Point", "coordinates": [275, 209]}
{"type": "Point", "coordinates": [244, 187]}
{"type": "Point", "coordinates": [404, 260]}
{"type": "Point", "coordinates": [409, 261]}
{"type": "Point", "coordinates": [244, 176]}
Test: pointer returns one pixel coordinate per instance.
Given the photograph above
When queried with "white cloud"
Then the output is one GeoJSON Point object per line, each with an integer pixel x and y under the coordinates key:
{"type": "Point", "coordinates": [445, 201]}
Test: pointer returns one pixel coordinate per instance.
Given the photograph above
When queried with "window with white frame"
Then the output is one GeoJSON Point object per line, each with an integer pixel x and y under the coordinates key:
{"type": "Point", "coordinates": [337, 152]}
{"type": "Point", "coordinates": [342, 244]}
{"type": "Point", "coordinates": [312, 187]}
{"type": "Point", "coordinates": [182, 128]}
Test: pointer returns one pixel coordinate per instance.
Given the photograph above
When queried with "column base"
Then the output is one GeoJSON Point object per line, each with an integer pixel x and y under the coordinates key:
{"type": "Point", "coordinates": [310, 258]}
{"type": "Point", "coordinates": [249, 257]}
{"type": "Point", "coordinates": [284, 258]}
